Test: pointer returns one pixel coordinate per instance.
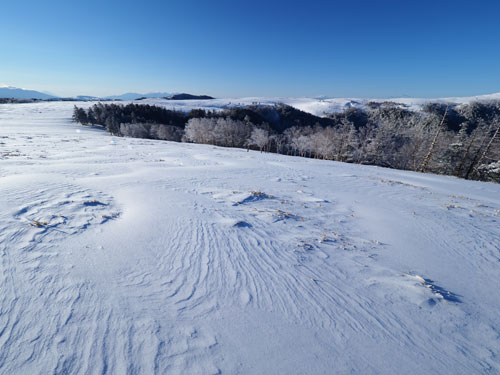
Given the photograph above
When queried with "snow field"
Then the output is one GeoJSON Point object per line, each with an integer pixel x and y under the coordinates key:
{"type": "Point", "coordinates": [136, 256]}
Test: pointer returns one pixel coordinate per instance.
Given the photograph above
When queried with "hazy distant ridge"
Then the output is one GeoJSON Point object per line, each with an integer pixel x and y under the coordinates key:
{"type": "Point", "coordinates": [17, 93]}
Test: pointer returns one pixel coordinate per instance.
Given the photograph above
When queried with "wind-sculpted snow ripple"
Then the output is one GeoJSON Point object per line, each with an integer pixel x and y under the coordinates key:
{"type": "Point", "coordinates": [43, 307]}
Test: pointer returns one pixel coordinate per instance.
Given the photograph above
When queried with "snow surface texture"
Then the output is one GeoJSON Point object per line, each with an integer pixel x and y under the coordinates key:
{"type": "Point", "coordinates": [136, 256]}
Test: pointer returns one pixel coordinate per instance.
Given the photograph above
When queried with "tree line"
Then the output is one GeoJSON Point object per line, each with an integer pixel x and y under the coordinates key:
{"type": "Point", "coordinates": [458, 140]}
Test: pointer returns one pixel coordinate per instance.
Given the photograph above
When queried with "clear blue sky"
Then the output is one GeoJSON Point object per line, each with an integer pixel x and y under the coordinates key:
{"type": "Point", "coordinates": [233, 48]}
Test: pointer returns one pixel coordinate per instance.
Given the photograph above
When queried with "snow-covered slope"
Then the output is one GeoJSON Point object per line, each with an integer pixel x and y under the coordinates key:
{"type": "Point", "coordinates": [137, 256]}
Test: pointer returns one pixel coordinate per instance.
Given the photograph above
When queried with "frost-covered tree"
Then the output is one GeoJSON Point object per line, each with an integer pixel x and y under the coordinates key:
{"type": "Point", "coordinates": [259, 138]}
{"type": "Point", "coordinates": [80, 115]}
{"type": "Point", "coordinates": [279, 141]}
{"type": "Point", "coordinates": [135, 130]}
{"type": "Point", "coordinates": [461, 140]}
{"type": "Point", "coordinates": [218, 131]}
{"type": "Point", "coordinates": [166, 132]}
{"type": "Point", "coordinates": [200, 130]}
{"type": "Point", "coordinates": [232, 133]}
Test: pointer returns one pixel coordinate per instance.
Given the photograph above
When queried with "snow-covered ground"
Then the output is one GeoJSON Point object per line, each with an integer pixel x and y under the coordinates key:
{"type": "Point", "coordinates": [137, 256]}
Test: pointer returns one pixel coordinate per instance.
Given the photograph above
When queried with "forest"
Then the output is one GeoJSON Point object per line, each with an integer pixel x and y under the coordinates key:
{"type": "Point", "coordinates": [458, 140]}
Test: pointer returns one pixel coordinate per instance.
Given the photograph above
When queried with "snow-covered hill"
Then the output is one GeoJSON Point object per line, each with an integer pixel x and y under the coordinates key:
{"type": "Point", "coordinates": [136, 256]}
{"type": "Point", "coordinates": [133, 95]}
{"type": "Point", "coordinates": [17, 93]}
{"type": "Point", "coordinates": [318, 107]}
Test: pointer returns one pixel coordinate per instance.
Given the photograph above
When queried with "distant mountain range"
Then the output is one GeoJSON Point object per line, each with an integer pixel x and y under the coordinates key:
{"type": "Point", "coordinates": [17, 93]}
{"type": "Point", "coordinates": [10, 92]}
{"type": "Point", "coordinates": [169, 96]}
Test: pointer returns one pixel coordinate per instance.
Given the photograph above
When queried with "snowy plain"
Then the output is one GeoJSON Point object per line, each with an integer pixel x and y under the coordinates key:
{"type": "Point", "coordinates": [121, 255]}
